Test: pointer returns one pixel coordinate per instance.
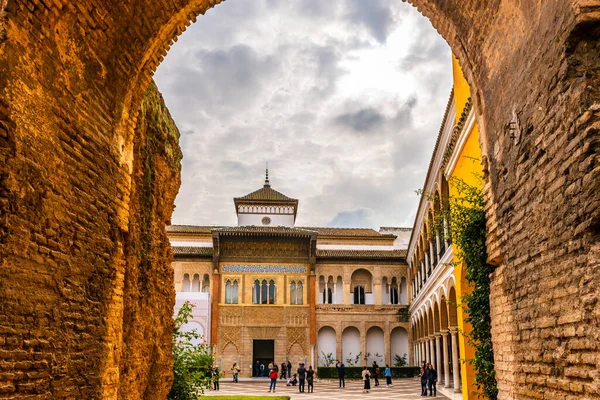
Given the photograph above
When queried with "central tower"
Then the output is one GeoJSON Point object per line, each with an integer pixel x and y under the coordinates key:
{"type": "Point", "coordinates": [266, 207]}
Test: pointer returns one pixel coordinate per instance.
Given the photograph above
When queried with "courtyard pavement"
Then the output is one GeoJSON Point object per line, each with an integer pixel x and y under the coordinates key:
{"type": "Point", "coordinates": [403, 389]}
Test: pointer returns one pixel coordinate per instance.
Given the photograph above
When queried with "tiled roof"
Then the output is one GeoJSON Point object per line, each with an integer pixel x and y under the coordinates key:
{"type": "Point", "coordinates": [374, 254]}
{"type": "Point", "coordinates": [251, 229]}
{"type": "Point", "coordinates": [266, 193]}
{"type": "Point", "coordinates": [180, 251]}
{"type": "Point", "coordinates": [191, 228]}
{"type": "Point", "coordinates": [346, 231]}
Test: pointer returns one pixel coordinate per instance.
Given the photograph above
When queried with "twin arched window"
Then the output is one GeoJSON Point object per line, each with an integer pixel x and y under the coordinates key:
{"type": "Point", "coordinates": [231, 292]}
{"type": "Point", "coordinates": [263, 292]}
{"type": "Point", "coordinates": [359, 295]}
{"type": "Point", "coordinates": [296, 293]}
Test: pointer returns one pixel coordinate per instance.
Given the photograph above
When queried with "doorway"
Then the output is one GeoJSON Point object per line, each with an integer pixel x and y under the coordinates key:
{"type": "Point", "coordinates": [263, 353]}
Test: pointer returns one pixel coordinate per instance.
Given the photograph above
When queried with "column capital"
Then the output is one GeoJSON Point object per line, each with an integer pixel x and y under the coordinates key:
{"type": "Point", "coordinates": [453, 329]}
{"type": "Point", "coordinates": [444, 332]}
{"type": "Point", "coordinates": [432, 337]}
{"type": "Point", "coordinates": [437, 335]}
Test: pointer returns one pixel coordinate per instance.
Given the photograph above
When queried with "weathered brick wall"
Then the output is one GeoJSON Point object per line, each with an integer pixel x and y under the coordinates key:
{"type": "Point", "coordinates": [146, 365]}
{"type": "Point", "coordinates": [72, 78]}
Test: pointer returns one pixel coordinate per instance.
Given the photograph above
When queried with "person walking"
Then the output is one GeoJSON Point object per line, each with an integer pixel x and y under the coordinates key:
{"type": "Point", "coordinates": [283, 374]}
{"type": "Point", "coordinates": [262, 370]}
{"type": "Point", "coordinates": [257, 369]}
{"type": "Point", "coordinates": [235, 370]}
{"type": "Point", "coordinates": [301, 377]}
{"type": "Point", "coordinates": [432, 381]}
{"type": "Point", "coordinates": [273, 376]}
{"type": "Point", "coordinates": [375, 373]}
{"type": "Point", "coordinates": [216, 375]}
{"type": "Point", "coordinates": [341, 370]}
{"type": "Point", "coordinates": [388, 376]}
{"type": "Point", "coordinates": [289, 368]}
{"type": "Point", "coordinates": [366, 376]}
{"type": "Point", "coordinates": [423, 376]}
{"type": "Point", "coordinates": [310, 376]}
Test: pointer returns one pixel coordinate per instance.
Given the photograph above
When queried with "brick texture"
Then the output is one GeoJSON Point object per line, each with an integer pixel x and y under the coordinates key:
{"type": "Point", "coordinates": [84, 290]}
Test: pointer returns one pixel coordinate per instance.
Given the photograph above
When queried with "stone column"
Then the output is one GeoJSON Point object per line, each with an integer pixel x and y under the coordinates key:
{"type": "Point", "coordinates": [445, 360]}
{"type": "Point", "coordinates": [431, 349]}
{"type": "Point", "coordinates": [338, 343]}
{"type": "Point", "coordinates": [387, 348]}
{"type": "Point", "coordinates": [438, 354]}
{"type": "Point", "coordinates": [378, 291]}
{"type": "Point", "coordinates": [346, 292]}
{"type": "Point", "coordinates": [427, 348]}
{"type": "Point", "coordinates": [455, 367]}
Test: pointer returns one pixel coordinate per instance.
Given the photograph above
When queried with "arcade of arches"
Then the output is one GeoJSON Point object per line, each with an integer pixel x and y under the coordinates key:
{"type": "Point", "coordinates": [88, 177]}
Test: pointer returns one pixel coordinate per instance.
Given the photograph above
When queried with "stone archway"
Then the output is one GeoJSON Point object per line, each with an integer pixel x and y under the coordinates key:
{"type": "Point", "coordinates": [74, 209]}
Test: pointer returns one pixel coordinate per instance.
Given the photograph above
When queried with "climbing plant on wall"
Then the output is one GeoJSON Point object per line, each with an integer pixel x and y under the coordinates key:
{"type": "Point", "coordinates": [468, 226]}
{"type": "Point", "coordinates": [465, 214]}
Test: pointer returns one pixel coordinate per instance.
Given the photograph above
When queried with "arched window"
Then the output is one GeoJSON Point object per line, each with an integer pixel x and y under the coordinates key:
{"type": "Point", "coordinates": [296, 295]}
{"type": "Point", "coordinates": [394, 291]}
{"type": "Point", "coordinates": [293, 292]}
{"type": "Point", "coordinates": [271, 292]}
{"type": "Point", "coordinates": [359, 295]}
{"type": "Point", "coordinates": [299, 294]}
{"type": "Point", "coordinates": [256, 292]}
{"type": "Point", "coordinates": [195, 283]}
{"type": "Point", "coordinates": [264, 293]}
{"type": "Point", "coordinates": [205, 288]}
{"type": "Point", "coordinates": [185, 286]}
{"type": "Point", "coordinates": [231, 292]}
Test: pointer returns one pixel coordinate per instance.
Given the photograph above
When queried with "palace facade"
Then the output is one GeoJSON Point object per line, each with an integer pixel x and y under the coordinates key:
{"type": "Point", "coordinates": [267, 290]}
{"type": "Point", "coordinates": [438, 276]}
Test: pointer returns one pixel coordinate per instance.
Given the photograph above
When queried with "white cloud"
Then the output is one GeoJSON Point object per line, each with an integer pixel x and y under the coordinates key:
{"type": "Point", "coordinates": [343, 99]}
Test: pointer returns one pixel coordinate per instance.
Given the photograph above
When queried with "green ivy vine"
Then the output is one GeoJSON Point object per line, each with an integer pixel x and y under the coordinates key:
{"type": "Point", "coordinates": [468, 227]}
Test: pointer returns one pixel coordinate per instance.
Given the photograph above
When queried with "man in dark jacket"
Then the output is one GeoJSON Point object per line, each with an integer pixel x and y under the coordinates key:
{"type": "Point", "coordinates": [301, 377]}
{"type": "Point", "coordinates": [432, 381]}
{"type": "Point", "coordinates": [341, 370]}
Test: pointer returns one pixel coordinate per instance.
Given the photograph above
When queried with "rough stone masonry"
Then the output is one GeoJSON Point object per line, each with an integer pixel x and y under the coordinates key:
{"type": "Point", "coordinates": [88, 175]}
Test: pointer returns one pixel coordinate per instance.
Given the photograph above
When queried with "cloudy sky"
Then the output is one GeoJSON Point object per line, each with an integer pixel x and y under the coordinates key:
{"type": "Point", "coordinates": [343, 98]}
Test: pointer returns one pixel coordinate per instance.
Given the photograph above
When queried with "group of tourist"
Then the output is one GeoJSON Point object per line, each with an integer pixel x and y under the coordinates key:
{"type": "Point", "coordinates": [366, 375]}
{"type": "Point", "coordinates": [429, 378]}
{"type": "Point", "coordinates": [304, 376]}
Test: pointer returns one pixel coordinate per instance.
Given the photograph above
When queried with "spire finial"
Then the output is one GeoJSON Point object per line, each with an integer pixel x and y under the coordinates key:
{"type": "Point", "coordinates": [267, 183]}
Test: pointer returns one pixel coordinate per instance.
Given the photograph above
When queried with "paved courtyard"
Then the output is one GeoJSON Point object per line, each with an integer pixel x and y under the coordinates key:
{"type": "Point", "coordinates": [403, 389]}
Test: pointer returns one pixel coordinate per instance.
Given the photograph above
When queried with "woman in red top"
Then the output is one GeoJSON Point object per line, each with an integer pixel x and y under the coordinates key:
{"type": "Point", "coordinates": [273, 376]}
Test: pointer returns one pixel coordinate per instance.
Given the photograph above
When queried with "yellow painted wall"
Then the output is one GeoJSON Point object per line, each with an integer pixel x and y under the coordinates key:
{"type": "Point", "coordinates": [462, 91]}
{"type": "Point", "coordinates": [467, 168]}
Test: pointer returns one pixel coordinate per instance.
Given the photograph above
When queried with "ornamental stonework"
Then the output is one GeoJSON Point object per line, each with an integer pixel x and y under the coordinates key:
{"type": "Point", "coordinates": [263, 315]}
{"type": "Point", "coordinates": [264, 249]}
{"type": "Point", "coordinates": [263, 332]}
{"type": "Point", "coordinates": [230, 334]}
{"type": "Point", "coordinates": [230, 315]}
{"type": "Point", "coordinates": [297, 336]}
{"type": "Point", "coordinates": [296, 316]}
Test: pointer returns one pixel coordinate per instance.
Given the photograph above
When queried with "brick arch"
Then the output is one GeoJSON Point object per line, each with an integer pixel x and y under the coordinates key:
{"type": "Point", "coordinates": [72, 80]}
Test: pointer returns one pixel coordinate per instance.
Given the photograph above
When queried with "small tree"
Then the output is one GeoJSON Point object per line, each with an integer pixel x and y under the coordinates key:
{"type": "Point", "coordinates": [192, 359]}
{"type": "Point", "coordinates": [328, 359]}
{"type": "Point", "coordinates": [400, 361]}
{"type": "Point", "coordinates": [353, 361]}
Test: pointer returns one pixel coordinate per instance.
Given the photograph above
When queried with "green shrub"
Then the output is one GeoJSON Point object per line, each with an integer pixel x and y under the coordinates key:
{"type": "Point", "coordinates": [355, 372]}
{"type": "Point", "coordinates": [192, 361]}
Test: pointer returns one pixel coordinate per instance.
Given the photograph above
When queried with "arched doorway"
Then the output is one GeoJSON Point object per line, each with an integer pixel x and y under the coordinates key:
{"type": "Point", "coordinates": [399, 346]}
{"type": "Point", "coordinates": [327, 344]}
{"type": "Point", "coordinates": [351, 354]}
